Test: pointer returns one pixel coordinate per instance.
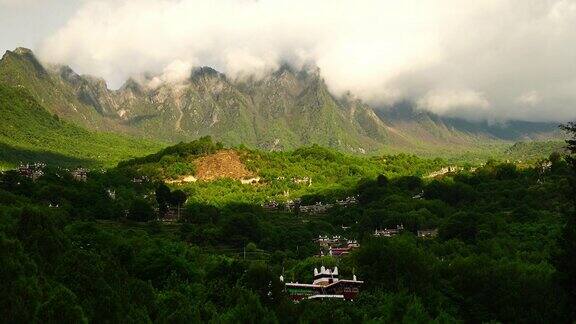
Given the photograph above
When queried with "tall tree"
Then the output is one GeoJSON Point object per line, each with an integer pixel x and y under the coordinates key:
{"type": "Point", "coordinates": [570, 128]}
{"type": "Point", "coordinates": [178, 198]}
{"type": "Point", "coordinates": [564, 259]}
{"type": "Point", "coordinates": [163, 197]}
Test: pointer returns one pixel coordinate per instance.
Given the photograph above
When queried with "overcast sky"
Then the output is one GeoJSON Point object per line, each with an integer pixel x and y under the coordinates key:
{"type": "Point", "coordinates": [494, 59]}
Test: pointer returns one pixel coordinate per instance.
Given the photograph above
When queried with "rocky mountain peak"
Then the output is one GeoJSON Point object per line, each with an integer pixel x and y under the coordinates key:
{"type": "Point", "coordinates": [206, 72]}
{"type": "Point", "coordinates": [23, 51]}
{"type": "Point", "coordinates": [26, 55]}
{"type": "Point", "coordinates": [133, 86]}
{"type": "Point", "coordinates": [67, 74]}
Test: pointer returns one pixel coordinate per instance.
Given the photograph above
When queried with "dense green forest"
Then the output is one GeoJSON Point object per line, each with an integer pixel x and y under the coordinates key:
{"type": "Point", "coordinates": [100, 251]}
{"type": "Point", "coordinates": [28, 133]}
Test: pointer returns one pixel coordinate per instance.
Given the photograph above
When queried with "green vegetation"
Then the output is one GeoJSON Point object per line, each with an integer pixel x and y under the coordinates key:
{"type": "Point", "coordinates": [173, 161]}
{"type": "Point", "coordinates": [101, 252]}
{"type": "Point", "coordinates": [20, 68]}
{"type": "Point", "coordinates": [308, 172]}
{"type": "Point", "coordinates": [28, 133]}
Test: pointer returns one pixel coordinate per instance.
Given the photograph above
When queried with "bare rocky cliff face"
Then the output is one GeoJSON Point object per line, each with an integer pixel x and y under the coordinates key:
{"type": "Point", "coordinates": [285, 109]}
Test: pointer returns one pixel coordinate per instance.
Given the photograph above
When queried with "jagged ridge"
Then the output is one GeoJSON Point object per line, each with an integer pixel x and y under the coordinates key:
{"type": "Point", "coordinates": [283, 110]}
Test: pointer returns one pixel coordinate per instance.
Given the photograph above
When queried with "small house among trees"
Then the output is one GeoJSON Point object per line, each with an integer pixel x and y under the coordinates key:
{"type": "Point", "coordinates": [80, 174]}
{"type": "Point", "coordinates": [389, 232]}
{"type": "Point", "coordinates": [429, 233]}
{"type": "Point", "coordinates": [32, 171]}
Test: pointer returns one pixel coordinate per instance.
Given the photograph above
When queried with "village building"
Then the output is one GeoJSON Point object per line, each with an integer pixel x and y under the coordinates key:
{"type": "Point", "coordinates": [317, 208]}
{"type": "Point", "coordinates": [290, 205]}
{"type": "Point", "coordinates": [336, 245]}
{"type": "Point", "coordinates": [111, 193]}
{"type": "Point", "coordinates": [345, 250]}
{"type": "Point", "coordinates": [185, 179]}
{"type": "Point", "coordinates": [32, 171]}
{"type": "Point", "coordinates": [443, 171]}
{"type": "Point", "coordinates": [320, 207]}
{"type": "Point", "coordinates": [80, 174]}
{"type": "Point", "coordinates": [326, 285]}
{"type": "Point", "coordinates": [293, 205]}
{"type": "Point", "coordinates": [353, 244]}
{"type": "Point", "coordinates": [352, 200]}
{"type": "Point", "coordinates": [139, 180]}
{"type": "Point", "coordinates": [171, 215]}
{"type": "Point", "coordinates": [429, 233]}
{"type": "Point", "coordinates": [326, 242]}
{"type": "Point", "coordinates": [389, 232]}
{"type": "Point", "coordinates": [271, 205]}
{"type": "Point", "coordinates": [250, 180]}
{"type": "Point", "coordinates": [305, 180]}
{"type": "Point", "coordinates": [337, 252]}
{"type": "Point", "coordinates": [419, 196]}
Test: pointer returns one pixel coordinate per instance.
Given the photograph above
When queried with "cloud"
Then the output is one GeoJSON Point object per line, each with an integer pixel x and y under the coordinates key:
{"type": "Point", "coordinates": [514, 59]}
{"type": "Point", "coordinates": [174, 73]}
{"type": "Point", "coordinates": [18, 3]}
{"type": "Point", "coordinates": [451, 101]}
{"type": "Point", "coordinates": [531, 98]}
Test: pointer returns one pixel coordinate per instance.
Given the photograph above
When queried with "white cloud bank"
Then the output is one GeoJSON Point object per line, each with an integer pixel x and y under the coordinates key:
{"type": "Point", "coordinates": [18, 3]}
{"type": "Point", "coordinates": [497, 59]}
{"type": "Point", "coordinates": [453, 102]}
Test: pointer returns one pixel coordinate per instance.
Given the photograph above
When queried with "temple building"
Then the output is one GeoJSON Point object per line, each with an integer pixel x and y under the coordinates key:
{"type": "Point", "coordinates": [326, 285]}
{"type": "Point", "coordinates": [326, 242]}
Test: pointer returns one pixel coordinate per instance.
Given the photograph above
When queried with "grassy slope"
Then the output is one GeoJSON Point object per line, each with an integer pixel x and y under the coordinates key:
{"type": "Point", "coordinates": [29, 133]}
{"type": "Point", "coordinates": [21, 68]}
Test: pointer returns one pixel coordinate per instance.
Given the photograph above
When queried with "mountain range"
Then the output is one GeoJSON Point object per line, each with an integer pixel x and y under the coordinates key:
{"type": "Point", "coordinates": [282, 110]}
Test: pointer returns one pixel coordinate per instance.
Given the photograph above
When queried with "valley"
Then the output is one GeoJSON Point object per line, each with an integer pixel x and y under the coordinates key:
{"type": "Point", "coordinates": [271, 200]}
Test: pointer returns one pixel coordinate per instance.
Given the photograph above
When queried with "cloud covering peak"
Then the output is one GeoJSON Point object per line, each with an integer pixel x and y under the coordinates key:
{"type": "Point", "coordinates": [497, 59]}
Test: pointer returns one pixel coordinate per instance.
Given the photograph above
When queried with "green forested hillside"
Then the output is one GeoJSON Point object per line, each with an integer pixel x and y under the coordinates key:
{"type": "Point", "coordinates": [21, 68]}
{"type": "Point", "coordinates": [310, 172]}
{"type": "Point", "coordinates": [104, 250]}
{"type": "Point", "coordinates": [29, 133]}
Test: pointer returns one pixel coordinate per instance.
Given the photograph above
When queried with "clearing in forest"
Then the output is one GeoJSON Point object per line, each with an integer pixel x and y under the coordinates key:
{"type": "Point", "coordinates": [222, 164]}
